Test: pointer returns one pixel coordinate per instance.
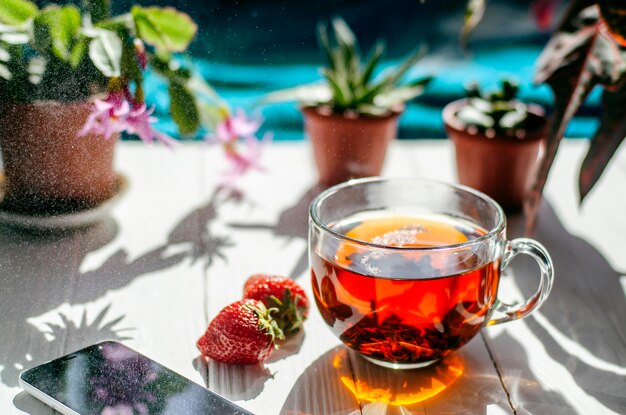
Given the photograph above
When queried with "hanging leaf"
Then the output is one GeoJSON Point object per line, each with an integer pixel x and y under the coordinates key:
{"type": "Point", "coordinates": [578, 57]}
{"type": "Point", "coordinates": [183, 108]}
{"type": "Point", "coordinates": [605, 143]}
{"type": "Point", "coordinates": [105, 51]}
{"type": "Point", "coordinates": [16, 12]}
{"type": "Point", "coordinates": [474, 12]}
{"type": "Point", "coordinates": [614, 14]}
{"type": "Point", "coordinates": [164, 28]}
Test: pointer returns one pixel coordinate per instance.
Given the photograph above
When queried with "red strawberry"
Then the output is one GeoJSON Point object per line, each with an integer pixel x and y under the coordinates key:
{"type": "Point", "coordinates": [282, 293]}
{"type": "Point", "coordinates": [243, 333]}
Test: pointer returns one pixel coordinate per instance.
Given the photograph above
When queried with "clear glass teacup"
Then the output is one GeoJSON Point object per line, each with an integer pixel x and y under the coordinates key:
{"type": "Point", "coordinates": [404, 271]}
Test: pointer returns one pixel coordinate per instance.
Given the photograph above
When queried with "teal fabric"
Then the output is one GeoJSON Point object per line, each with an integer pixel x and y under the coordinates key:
{"type": "Point", "coordinates": [246, 49]}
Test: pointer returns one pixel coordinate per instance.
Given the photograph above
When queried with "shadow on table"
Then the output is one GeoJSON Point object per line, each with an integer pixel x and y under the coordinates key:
{"type": "Point", "coordinates": [581, 326]}
{"type": "Point", "coordinates": [41, 272]}
{"type": "Point", "coordinates": [340, 381]}
{"type": "Point", "coordinates": [293, 222]}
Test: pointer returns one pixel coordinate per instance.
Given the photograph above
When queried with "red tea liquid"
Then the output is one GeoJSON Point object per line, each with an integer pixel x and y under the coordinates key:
{"type": "Point", "coordinates": [417, 313]}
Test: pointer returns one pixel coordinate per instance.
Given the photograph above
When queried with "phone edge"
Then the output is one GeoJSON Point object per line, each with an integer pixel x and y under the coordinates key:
{"type": "Point", "coordinates": [46, 399]}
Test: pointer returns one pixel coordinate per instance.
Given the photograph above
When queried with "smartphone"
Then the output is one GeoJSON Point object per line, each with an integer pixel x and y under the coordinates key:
{"type": "Point", "coordinates": [110, 378]}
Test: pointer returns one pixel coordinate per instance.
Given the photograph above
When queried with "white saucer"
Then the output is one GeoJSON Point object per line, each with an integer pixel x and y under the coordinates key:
{"type": "Point", "coordinates": [65, 221]}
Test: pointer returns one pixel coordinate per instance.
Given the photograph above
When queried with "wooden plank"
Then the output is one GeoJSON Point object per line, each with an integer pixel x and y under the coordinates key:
{"type": "Point", "coordinates": [130, 278]}
{"type": "Point", "coordinates": [570, 357]}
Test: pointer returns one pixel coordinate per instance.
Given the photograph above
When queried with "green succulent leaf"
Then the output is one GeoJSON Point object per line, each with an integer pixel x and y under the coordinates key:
{"type": "Point", "coordinates": [309, 94]}
{"type": "Point", "coordinates": [578, 57]}
{"type": "Point", "coordinates": [183, 108]}
{"type": "Point", "coordinates": [105, 51]}
{"type": "Point", "coordinates": [610, 134]}
{"type": "Point", "coordinates": [396, 75]}
{"type": "Point", "coordinates": [322, 36]}
{"type": "Point", "coordinates": [341, 91]}
{"type": "Point", "coordinates": [58, 28]}
{"type": "Point", "coordinates": [397, 96]}
{"type": "Point", "coordinates": [372, 62]}
{"type": "Point", "coordinates": [164, 28]}
{"type": "Point", "coordinates": [16, 12]}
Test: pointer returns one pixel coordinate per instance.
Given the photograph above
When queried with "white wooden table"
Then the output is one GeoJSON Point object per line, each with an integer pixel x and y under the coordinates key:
{"type": "Point", "coordinates": [175, 252]}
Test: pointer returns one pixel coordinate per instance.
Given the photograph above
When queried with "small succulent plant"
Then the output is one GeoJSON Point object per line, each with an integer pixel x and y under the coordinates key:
{"type": "Point", "coordinates": [352, 86]}
{"type": "Point", "coordinates": [495, 113]}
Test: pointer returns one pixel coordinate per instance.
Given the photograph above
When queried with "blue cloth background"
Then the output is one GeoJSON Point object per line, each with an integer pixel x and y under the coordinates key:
{"type": "Point", "coordinates": [247, 48]}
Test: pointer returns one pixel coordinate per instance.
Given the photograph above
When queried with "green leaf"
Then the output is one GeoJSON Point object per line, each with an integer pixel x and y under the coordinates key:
{"type": "Point", "coordinates": [210, 115]}
{"type": "Point", "coordinates": [57, 27]}
{"type": "Point", "coordinates": [5, 73]}
{"type": "Point", "coordinates": [402, 94]}
{"type": "Point", "coordinates": [98, 9]}
{"type": "Point", "coordinates": [372, 62]}
{"type": "Point", "coordinates": [313, 94]}
{"type": "Point", "coordinates": [15, 38]}
{"type": "Point", "coordinates": [16, 12]}
{"type": "Point", "coordinates": [474, 13]}
{"type": "Point", "coordinates": [577, 58]}
{"type": "Point", "coordinates": [183, 108]}
{"type": "Point", "coordinates": [397, 74]}
{"type": "Point", "coordinates": [606, 141]}
{"type": "Point", "coordinates": [164, 28]}
{"type": "Point", "coordinates": [344, 35]}
{"type": "Point", "coordinates": [322, 37]}
{"type": "Point", "coordinates": [5, 56]}
{"type": "Point", "coordinates": [342, 96]}
{"type": "Point", "coordinates": [78, 52]}
{"type": "Point", "coordinates": [105, 51]}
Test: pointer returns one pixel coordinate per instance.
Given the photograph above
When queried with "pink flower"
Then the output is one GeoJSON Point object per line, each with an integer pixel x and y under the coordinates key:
{"type": "Point", "coordinates": [114, 115]}
{"type": "Point", "coordinates": [107, 117]}
{"type": "Point", "coordinates": [233, 132]}
{"type": "Point", "coordinates": [139, 122]}
{"type": "Point", "coordinates": [235, 127]}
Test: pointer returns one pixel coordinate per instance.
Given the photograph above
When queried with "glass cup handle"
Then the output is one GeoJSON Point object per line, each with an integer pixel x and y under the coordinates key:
{"type": "Point", "coordinates": [509, 312]}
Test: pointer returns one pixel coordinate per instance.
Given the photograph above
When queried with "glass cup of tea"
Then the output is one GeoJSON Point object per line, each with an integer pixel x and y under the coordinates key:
{"type": "Point", "coordinates": [404, 271]}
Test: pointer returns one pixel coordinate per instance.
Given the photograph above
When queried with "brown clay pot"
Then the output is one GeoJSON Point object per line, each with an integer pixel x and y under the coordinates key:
{"type": "Point", "coordinates": [503, 167]}
{"type": "Point", "coordinates": [47, 166]}
{"type": "Point", "coordinates": [347, 148]}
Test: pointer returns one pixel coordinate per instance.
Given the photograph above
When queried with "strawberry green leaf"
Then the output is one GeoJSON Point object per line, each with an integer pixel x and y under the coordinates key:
{"type": "Point", "coordinates": [606, 141]}
{"type": "Point", "coordinates": [164, 28]}
{"type": "Point", "coordinates": [16, 12]}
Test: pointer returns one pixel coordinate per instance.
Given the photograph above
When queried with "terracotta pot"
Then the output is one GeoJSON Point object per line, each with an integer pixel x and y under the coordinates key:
{"type": "Point", "coordinates": [502, 167]}
{"type": "Point", "coordinates": [346, 148]}
{"type": "Point", "coordinates": [48, 167]}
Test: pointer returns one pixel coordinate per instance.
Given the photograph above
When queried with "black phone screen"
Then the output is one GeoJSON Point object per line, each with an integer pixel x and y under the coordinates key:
{"type": "Point", "coordinates": [110, 378]}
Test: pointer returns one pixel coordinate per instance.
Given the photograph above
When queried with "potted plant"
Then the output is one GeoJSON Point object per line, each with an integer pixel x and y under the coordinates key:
{"type": "Point", "coordinates": [497, 139]}
{"type": "Point", "coordinates": [352, 116]}
{"type": "Point", "coordinates": [72, 80]}
{"type": "Point", "coordinates": [587, 49]}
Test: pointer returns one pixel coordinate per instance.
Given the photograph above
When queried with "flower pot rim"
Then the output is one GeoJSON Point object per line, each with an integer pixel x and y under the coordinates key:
{"type": "Point", "coordinates": [314, 110]}
{"type": "Point", "coordinates": [453, 123]}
